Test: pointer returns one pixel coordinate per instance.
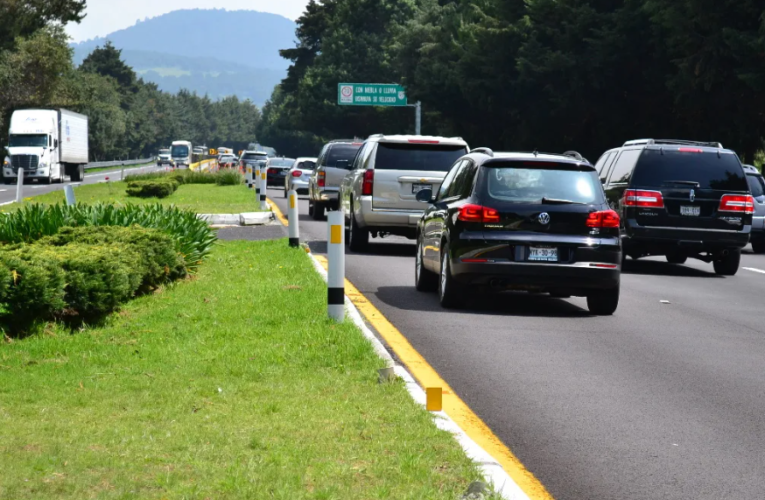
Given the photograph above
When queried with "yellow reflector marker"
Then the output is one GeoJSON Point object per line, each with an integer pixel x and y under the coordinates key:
{"type": "Point", "coordinates": [292, 201]}
{"type": "Point", "coordinates": [434, 399]}
{"type": "Point", "coordinates": [336, 235]}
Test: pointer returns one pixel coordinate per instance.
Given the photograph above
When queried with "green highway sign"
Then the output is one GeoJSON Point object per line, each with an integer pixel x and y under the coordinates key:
{"type": "Point", "coordinates": [370, 94]}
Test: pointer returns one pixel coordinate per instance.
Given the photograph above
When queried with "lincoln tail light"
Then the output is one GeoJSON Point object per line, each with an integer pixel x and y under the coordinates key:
{"type": "Point", "coordinates": [740, 203]}
{"type": "Point", "coordinates": [321, 179]}
{"type": "Point", "coordinates": [477, 213]}
{"type": "Point", "coordinates": [642, 198]}
{"type": "Point", "coordinates": [296, 173]}
{"type": "Point", "coordinates": [604, 219]}
{"type": "Point", "coordinates": [368, 182]}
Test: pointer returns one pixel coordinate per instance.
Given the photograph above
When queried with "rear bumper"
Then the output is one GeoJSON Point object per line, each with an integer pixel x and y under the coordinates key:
{"type": "Point", "coordinates": [368, 217]}
{"type": "Point", "coordinates": [539, 276]}
{"type": "Point", "coordinates": [660, 239]}
{"type": "Point", "coordinates": [326, 196]}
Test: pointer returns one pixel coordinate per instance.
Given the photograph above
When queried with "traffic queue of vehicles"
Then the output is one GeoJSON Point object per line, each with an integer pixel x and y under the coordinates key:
{"type": "Point", "coordinates": [536, 222]}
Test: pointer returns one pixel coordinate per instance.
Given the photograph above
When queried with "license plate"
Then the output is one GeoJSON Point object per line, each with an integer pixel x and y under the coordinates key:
{"type": "Point", "coordinates": [543, 254]}
{"type": "Point", "coordinates": [283, 173]}
{"type": "Point", "coordinates": [690, 211]}
{"type": "Point", "coordinates": [416, 188]}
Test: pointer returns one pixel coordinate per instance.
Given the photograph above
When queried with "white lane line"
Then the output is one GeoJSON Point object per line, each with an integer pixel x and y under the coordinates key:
{"type": "Point", "coordinates": [755, 270]}
{"type": "Point", "coordinates": [3, 190]}
{"type": "Point", "coordinates": [7, 203]}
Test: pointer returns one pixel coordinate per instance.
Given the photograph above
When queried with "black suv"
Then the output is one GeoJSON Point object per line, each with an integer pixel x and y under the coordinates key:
{"type": "Point", "coordinates": [679, 199]}
{"type": "Point", "coordinates": [520, 221]}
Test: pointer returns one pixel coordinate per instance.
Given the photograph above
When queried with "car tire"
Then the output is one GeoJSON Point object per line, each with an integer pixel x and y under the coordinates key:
{"type": "Point", "coordinates": [603, 302]}
{"type": "Point", "coordinates": [358, 238]}
{"type": "Point", "coordinates": [728, 265]}
{"type": "Point", "coordinates": [676, 258]}
{"type": "Point", "coordinates": [449, 291]}
{"type": "Point", "coordinates": [758, 246]}
{"type": "Point", "coordinates": [318, 211]}
{"type": "Point", "coordinates": [424, 280]}
{"type": "Point", "coordinates": [310, 208]}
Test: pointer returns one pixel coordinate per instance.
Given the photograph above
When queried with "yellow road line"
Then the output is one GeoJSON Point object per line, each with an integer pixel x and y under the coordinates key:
{"type": "Point", "coordinates": [278, 213]}
{"type": "Point", "coordinates": [460, 412]}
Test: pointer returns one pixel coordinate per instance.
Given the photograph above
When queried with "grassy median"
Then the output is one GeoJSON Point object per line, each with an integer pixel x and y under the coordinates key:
{"type": "Point", "coordinates": [229, 385]}
{"type": "Point", "coordinates": [201, 198]}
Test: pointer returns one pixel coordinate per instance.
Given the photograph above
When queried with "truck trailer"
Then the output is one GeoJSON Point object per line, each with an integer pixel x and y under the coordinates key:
{"type": "Point", "coordinates": [47, 144]}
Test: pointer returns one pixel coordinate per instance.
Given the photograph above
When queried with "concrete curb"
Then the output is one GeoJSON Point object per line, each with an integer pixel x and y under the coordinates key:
{"type": "Point", "coordinates": [499, 480]}
{"type": "Point", "coordinates": [243, 219]}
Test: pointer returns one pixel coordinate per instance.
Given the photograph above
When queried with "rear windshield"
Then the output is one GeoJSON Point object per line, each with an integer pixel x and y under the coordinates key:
{"type": "Point", "coordinates": [525, 185]}
{"type": "Point", "coordinates": [756, 184]}
{"type": "Point", "coordinates": [281, 163]}
{"type": "Point", "coordinates": [668, 168]}
{"type": "Point", "coordinates": [431, 158]}
{"type": "Point", "coordinates": [306, 165]}
{"type": "Point", "coordinates": [341, 152]}
{"type": "Point", "coordinates": [253, 156]}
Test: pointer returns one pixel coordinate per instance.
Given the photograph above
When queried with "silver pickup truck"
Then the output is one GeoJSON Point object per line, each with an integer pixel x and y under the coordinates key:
{"type": "Point", "coordinates": [378, 195]}
{"type": "Point", "coordinates": [334, 162]}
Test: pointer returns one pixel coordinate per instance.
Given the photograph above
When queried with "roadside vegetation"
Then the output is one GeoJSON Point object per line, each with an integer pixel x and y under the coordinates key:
{"type": "Point", "coordinates": [231, 385]}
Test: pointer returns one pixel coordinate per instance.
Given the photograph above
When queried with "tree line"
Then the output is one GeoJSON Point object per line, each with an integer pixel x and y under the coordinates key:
{"type": "Point", "coordinates": [550, 75]}
{"type": "Point", "coordinates": [128, 117]}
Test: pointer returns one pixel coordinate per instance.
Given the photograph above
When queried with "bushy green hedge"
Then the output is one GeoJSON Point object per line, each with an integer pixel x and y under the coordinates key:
{"type": "Point", "coordinates": [221, 178]}
{"type": "Point", "coordinates": [159, 188]}
{"type": "Point", "coordinates": [228, 177]}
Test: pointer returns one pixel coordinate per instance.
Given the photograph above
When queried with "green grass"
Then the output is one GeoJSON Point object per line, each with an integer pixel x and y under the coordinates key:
{"type": "Point", "coordinates": [201, 198]}
{"type": "Point", "coordinates": [230, 385]}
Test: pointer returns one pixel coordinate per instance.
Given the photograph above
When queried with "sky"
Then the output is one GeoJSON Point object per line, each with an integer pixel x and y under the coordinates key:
{"type": "Point", "coordinates": [106, 16]}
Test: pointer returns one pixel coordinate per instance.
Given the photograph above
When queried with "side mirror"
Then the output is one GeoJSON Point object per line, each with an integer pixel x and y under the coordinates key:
{"type": "Point", "coordinates": [344, 164]}
{"type": "Point", "coordinates": [424, 195]}
{"type": "Point", "coordinates": [55, 143]}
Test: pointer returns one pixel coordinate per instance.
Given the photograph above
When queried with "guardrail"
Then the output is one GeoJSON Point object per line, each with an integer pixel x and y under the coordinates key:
{"type": "Point", "coordinates": [118, 163]}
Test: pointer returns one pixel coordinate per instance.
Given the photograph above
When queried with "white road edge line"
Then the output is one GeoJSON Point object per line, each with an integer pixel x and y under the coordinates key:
{"type": "Point", "coordinates": [7, 203]}
{"type": "Point", "coordinates": [755, 270]}
{"type": "Point", "coordinates": [498, 479]}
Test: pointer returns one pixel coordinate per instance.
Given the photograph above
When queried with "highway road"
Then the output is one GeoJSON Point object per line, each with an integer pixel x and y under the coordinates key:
{"type": "Point", "coordinates": [661, 400]}
{"type": "Point", "coordinates": [33, 188]}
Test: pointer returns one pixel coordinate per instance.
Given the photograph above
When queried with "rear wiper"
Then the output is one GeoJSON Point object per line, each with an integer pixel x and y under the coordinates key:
{"type": "Point", "coordinates": [555, 201]}
{"type": "Point", "coordinates": [689, 183]}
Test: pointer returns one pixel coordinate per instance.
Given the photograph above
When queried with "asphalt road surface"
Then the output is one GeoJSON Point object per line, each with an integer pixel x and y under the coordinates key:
{"type": "Point", "coordinates": [33, 188]}
{"type": "Point", "coordinates": [659, 401]}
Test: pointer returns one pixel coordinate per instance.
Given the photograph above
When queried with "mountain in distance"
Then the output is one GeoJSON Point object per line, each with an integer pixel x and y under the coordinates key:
{"type": "Point", "coordinates": [214, 52]}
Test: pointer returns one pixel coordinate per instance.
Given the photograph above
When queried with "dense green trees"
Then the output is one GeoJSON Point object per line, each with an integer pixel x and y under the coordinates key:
{"type": "Point", "coordinates": [532, 74]}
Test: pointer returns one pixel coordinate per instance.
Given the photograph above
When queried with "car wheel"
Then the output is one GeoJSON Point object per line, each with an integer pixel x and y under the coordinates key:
{"type": "Point", "coordinates": [318, 211]}
{"type": "Point", "coordinates": [449, 291]}
{"type": "Point", "coordinates": [728, 265]}
{"type": "Point", "coordinates": [676, 258]}
{"type": "Point", "coordinates": [603, 302]}
{"type": "Point", "coordinates": [358, 238]}
{"type": "Point", "coordinates": [758, 246]}
{"type": "Point", "coordinates": [424, 280]}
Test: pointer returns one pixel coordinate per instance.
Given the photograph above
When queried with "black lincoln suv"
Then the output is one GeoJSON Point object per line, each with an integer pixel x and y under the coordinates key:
{"type": "Point", "coordinates": [680, 199]}
{"type": "Point", "coordinates": [520, 221]}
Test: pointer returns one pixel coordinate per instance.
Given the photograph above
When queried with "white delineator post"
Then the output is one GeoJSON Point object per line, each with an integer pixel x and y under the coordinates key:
{"type": "Point", "coordinates": [69, 193]}
{"type": "Point", "coordinates": [336, 265]}
{"type": "Point", "coordinates": [263, 187]}
{"type": "Point", "coordinates": [292, 218]}
{"type": "Point", "coordinates": [248, 176]}
{"type": "Point", "coordinates": [256, 183]}
{"type": "Point", "coordinates": [20, 186]}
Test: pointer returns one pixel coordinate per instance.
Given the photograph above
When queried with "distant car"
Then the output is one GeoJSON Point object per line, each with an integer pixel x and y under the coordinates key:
{"type": "Point", "coordinates": [680, 199]}
{"type": "Point", "coordinates": [253, 159]}
{"type": "Point", "coordinates": [333, 163]}
{"type": "Point", "coordinates": [757, 187]}
{"type": "Point", "coordinates": [519, 221]}
{"type": "Point", "coordinates": [378, 196]}
{"type": "Point", "coordinates": [164, 158]}
{"type": "Point", "coordinates": [276, 170]}
{"type": "Point", "coordinates": [298, 175]}
{"type": "Point", "coordinates": [226, 161]}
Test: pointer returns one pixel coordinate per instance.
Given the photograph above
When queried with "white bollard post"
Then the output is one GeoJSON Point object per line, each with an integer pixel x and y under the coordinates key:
{"type": "Point", "coordinates": [256, 184]}
{"type": "Point", "coordinates": [20, 186]}
{"type": "Point", "coordinates": [263, 188]}
{"type": "Point", "coordinates": [69, 193]}
{"type": "Point", "coordinates": [336, 260]}
{"type": "Point", "coordinates": [122, 174]}
{"type": "Point", "coordinates": [292, 217]}
{"type": "Point", "coordinates": [248, 177]}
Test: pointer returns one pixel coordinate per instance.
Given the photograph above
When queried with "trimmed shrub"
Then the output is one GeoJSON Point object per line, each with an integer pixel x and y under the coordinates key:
{"type": "Point", "coordinates": [160, 188]}
{"type": "Point", "coordinates": [32, 285]}
{"type": "Point", "coordinates": [228, 178]}
{"type": "Point", "coordinates": [148, 176]}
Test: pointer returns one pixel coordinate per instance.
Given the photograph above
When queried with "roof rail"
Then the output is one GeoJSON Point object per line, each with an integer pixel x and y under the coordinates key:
{"type": "Point", "coordinates": [486, 151]}
{"type": "Point", "coordinates": [637, 142]}
{"type": "Point", "coordinates": [574, 154]}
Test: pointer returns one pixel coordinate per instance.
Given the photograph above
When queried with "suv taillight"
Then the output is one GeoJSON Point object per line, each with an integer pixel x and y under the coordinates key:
{"type": "Point", "coordinates": [606, 218]}
{"type": "Point", "coordinates": [741, 203]}
{"type": "Point", "coordinates": [642, 198]}
{"type": "Point", "coordinates": [477, 213]}
{"type": "Point", "coordinates": [368, 182]}
{"type": "Point", "coordinates": [321, 178]}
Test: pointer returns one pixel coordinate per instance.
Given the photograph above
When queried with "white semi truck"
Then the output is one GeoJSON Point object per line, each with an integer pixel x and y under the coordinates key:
{"type": "Point", "coordinates": [47, 144]}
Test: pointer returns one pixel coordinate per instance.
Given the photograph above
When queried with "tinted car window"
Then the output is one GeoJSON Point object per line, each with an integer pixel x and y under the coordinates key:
{"type": "Point", "coordinates": [602, 161]}
{"type": "Point", "coordinates": [306, 165]}
{"type": "Point", "coordinates": [622, 169]}
{"type": "Point", "coordinates": [444, 189]}
{"type": "Point", "coordinates": [281, 163]}
{"type": "Point", "coordinates": [659, 168]}
{"type": "Point", "coordinates": [756, 185]}
{"type": "Point", "coordinates": [253, 156]}
{"type": "Point", "coordinates": [527, 184]}
{"type": "Point", "coordinates": [461, 179]}
{"type": "Point", "coordinates": [430, 158]}
{"type": "Point", "coordinates": [341, 152]}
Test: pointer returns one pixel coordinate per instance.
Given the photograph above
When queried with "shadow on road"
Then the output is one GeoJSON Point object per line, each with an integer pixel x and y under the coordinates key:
{"type": "Point", "coordinates": [505, 303]}
{"type": "Point", "coordinates": [652, 267]}
{"type": "Point", "coordinates": [374, 249]}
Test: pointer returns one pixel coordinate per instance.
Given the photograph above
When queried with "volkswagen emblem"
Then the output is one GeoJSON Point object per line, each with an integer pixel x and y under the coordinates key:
{"type": "Point", "coordinates": [693, 195]}
{"type": "Point", "coordinates": [544, 218]}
